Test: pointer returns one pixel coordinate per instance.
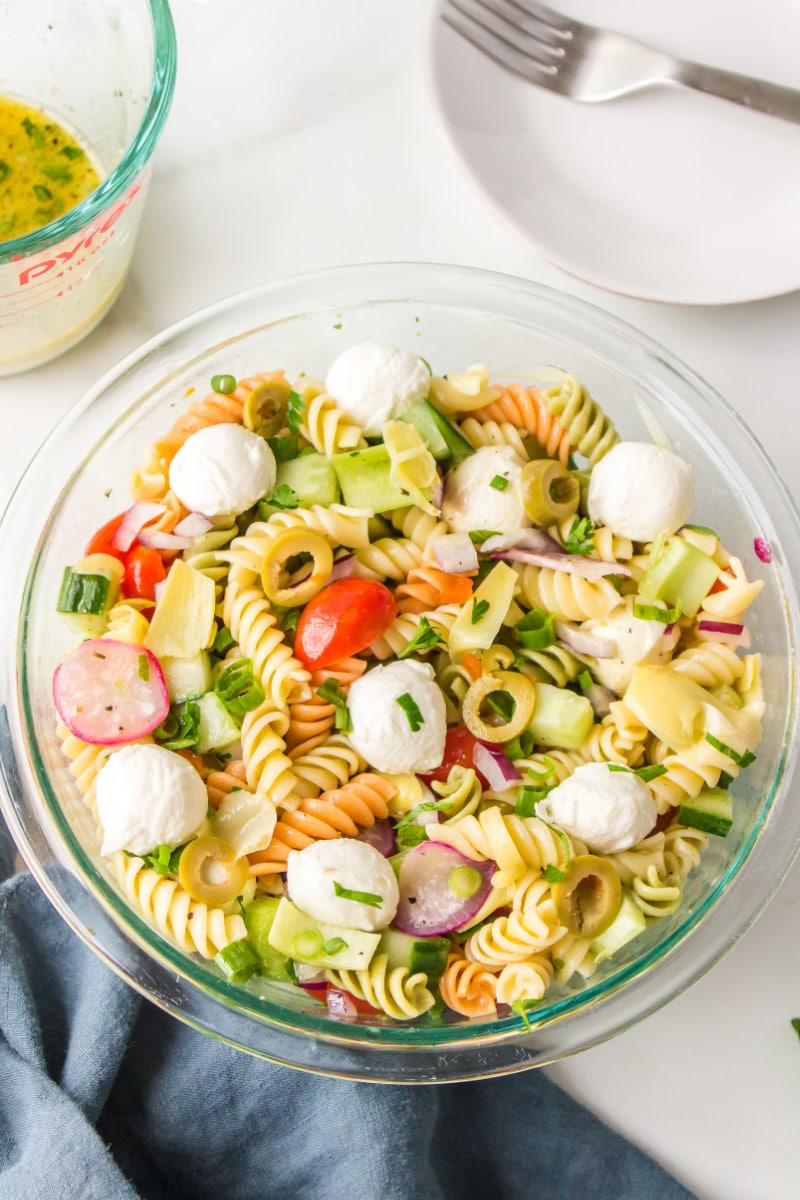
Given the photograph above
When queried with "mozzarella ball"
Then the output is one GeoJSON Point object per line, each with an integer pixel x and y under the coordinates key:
{"type": "Point", "coordinates": [636, 640]}
{"type": "Point", "coordinates": [146, 797]}
{"type": "Point", "coordinates": [356, 866]}
{"type": "Point", "coordinates": [384, 732]}
{"type": "Point", "coordinates": [639, 490]}
{"type": "Point", "coordinates": [373, 384]}
{"type": "Point", "coordinates": [222, 470]}
{"type": "Point", "coordinates": [608, 810]}
{"type": "Point", "coordinates": [473, 499]}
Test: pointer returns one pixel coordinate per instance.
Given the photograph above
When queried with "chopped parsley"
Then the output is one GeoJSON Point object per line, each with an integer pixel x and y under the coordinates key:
{"type": "Point", "coordinates": [411, 709]}
{"type": "Point", "coordinates": [479, 536]}
{"type": "Point", "coordinates": [164, 860]}
{"type": "Point", "coordinates": [553, 874]}
{"type": "Point", "coordinates": [284, 448]}
{"type": "Point", "coordinates": [580, 539]}
{"type": "Point", "coordinates": [520, 1007]}
{"type": "Point", "coordinates": [295, 412]}
{"type": "Point", "coordinates": [479, 610]}
{"type": "Point", "coordinates": [654, 612]}
{"type": "Point", "coordinates": [284, 497]}
{"type": "Point", "coordinates": [423, 640]}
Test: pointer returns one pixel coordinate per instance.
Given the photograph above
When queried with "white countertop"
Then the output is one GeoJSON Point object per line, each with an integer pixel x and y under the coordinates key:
{"type": "Point", "coordinates": [302, 136]}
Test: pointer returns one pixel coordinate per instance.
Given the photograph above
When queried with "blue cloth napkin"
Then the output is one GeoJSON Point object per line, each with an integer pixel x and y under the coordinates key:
{"type": "Point", "coordinates": [105, 1097]}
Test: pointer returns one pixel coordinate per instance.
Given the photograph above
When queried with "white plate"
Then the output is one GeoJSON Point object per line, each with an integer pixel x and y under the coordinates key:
{"type": "Point", "coordinates": [663, 195]}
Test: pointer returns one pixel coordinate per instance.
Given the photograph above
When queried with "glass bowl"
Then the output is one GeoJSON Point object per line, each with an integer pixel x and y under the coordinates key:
{"type": "Point", "coordinates": [452, 317]}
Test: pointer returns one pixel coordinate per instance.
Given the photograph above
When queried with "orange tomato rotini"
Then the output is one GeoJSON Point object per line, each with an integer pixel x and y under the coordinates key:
{"type": "Point", "coordinates": [527, 409]}
{"type": "Point", "coordinates": [341, 812]}
{"type": "Point", "coordinates": [427, 587]}
{"type": "Point", "coordinates": [220, 784]}
{"type": "Point", "coordinates": [311, 718]}
{"type": "Point", "coordinates": [468, 988]}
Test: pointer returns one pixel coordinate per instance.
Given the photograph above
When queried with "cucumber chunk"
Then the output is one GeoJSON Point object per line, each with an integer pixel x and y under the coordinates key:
{"type": "Point", "coordinates": [441, 437]}
{"type": "Point", "coordinates": [187, 678]}
{"type": "Point", "coordinates": [428, 955]}
{"type": "Point", "coordinates": [628, 924]}
{"type": "Point", "coordinates": [364, 479]}
{"type": "Point", "coordinates": [320, 943]}
{"type": "Point", "coordinates": [711, 810]}
{"type": "Point", "coordinates": [682, 572]}
{"type": "Point", "coordinates": [312, 478]}
{"type": "Point", "coordinates": [259, 916]}
{"type": "Point", "coordinates": [88, 591]}
{"type": "Point", "coordinates": [561, 718]}
{"type": "Point", "coordinates": [216, 728]}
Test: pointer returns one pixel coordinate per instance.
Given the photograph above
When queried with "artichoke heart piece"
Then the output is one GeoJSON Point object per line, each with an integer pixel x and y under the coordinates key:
{"type": "Point", "coordinates": [183, 621]}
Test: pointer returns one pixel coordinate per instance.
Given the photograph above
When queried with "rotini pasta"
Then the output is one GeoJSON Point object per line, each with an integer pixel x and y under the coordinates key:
{"type": "Point", "coordinates": [529, 409]}
{"type": "Point", "coordinates": [395, 992]}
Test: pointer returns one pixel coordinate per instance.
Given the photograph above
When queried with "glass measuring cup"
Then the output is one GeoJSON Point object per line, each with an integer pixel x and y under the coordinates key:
{"type": "Point", "coordinates": [105, 71]}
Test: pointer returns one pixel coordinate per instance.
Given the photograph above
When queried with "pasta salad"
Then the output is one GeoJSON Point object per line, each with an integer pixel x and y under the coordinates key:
{"type": "Point", "coordinates": [420, 692]}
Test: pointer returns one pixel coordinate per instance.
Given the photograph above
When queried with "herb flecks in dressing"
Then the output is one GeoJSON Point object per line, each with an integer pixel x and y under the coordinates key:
{"type": "Point", "coordinates": [44, 171]}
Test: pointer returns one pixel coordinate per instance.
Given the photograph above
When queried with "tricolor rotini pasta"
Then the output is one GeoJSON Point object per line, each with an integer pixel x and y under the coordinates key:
{"type": "Point", "coordinates": [422, 691]}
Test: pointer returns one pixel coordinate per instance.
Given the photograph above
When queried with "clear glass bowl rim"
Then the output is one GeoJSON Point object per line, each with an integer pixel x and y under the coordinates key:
{"type": "Point", "coordinates": [133, 160]}
{"type": "Point", "coordinates": [507, 1046]}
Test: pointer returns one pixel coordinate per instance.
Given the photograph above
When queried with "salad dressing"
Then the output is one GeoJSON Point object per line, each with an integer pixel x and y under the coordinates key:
{"type": "Point", "coordinates": [44, 171]}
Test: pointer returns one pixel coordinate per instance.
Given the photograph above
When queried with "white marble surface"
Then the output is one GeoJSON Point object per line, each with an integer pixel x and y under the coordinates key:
{"type": "Point", "coordinates": [303, 135]}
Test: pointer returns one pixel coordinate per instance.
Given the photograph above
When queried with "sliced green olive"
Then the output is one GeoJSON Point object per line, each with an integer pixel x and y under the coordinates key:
{"type": "Point", "coordinates": [210, 871]}
{"type": "Point", "coordinates": [276, 566]}
{"type": "Point", "coordinates": [265, 408]}
{"type": "Point", "coordinates": [549, 492]}
{"type": "Point", "coordinates": [512, 716]}
{"type": "Point", "coordinates": [587, 899]}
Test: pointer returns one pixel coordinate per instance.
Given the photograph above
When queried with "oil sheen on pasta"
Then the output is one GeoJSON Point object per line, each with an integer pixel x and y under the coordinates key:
{"type": "Point", "coordinates": [44, 171]}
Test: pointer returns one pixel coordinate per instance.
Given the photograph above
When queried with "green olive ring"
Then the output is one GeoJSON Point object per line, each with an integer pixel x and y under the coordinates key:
{"type": "Point", "coordinates": [265, 408]}
{"type": "Point", "coordinates": [549, 493]}
{"type": "Point", "coordinates": [587, 899]}
{"type": "Point", "coordinates": [285, 546]}
{"type": "Point", "coordinates": [521, 691]}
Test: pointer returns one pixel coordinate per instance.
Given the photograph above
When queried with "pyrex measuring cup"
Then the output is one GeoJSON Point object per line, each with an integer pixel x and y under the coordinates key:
{"type": "Point", "coordinates": [105, 71]}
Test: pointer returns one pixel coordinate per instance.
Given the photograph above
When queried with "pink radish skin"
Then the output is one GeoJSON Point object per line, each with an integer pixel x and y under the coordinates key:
{"type": "Point", "coordinates": [108, 692]}
{"type": "Point", "coordinates": [428, 906]}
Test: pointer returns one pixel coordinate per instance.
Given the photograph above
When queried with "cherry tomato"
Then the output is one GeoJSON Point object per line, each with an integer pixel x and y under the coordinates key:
{"type": "Point", "coordinates": [101, 542]}
{"type": "Point", "coordinates": [345, 617]}
{"type": "Point", "coordinates": [459, 749]}
{"type": "Point", "coordinates": [143, 570]}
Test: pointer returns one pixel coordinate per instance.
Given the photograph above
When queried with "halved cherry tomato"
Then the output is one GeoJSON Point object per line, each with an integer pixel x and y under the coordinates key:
{"type": "Point", "coordinates": [459, 750]}
{"type": "Point", "coordinates": [143, 570]}
{"type": "Point", "coordinates": [345, 617]}
{"type": "Point", "coordinates": [101, 542]}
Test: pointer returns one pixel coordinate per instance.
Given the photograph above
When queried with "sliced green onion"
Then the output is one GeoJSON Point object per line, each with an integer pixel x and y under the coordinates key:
{"type": "Point", "coordinates": [238, 688]}
{"type": "Point", "coordinates": [223, 383]}
{"type": "Point", "coordinates": [553, 874]}
{"type": "Point", "coordinates": [499, 483]}
{"type": "Point", "coordinates": [741, 760]}
{"type": "Point", "coordinates": [536, 630]}
{"type": "Point", "coordinates": [143, 668]}
{"type": "Point", "coordinates": [585, 681]}
{"type": "Point", "coordinates": [528, 797]}
{"type": "Point", "coordinates": [370, 898]}
{"type": "Point", "coordinates": [654, 612]}
{"type": "Point", "coordinates": [332, 693]}
{"type": "Point", "coordinates": [703, 529]}
{"type": "Point", "coordinates": [648, 773]}
{"type": "Point", "coordinates": [334, 945]}
{"type": "Point", "coordinates": [465, 882]}
{"type": "Point", "coordinates": [284, 448]}
{"type": "Point", "coordinates": [519, 747]}
{"type": "Point", "coordinates": [223, 641]}
{"type": "Point", "coordinates": [540, 776]}
{"type": "Point", "coordinates": [289, 619]}
{"type": "Point", "coordinates": [411, 709]}
{"type": "Point", "coordinates": [307, 943]}
{"type": "Point", "coordinates": [179, 729]}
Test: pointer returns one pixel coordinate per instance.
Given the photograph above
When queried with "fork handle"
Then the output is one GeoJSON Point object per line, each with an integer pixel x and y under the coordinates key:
{"type": "Point", "coordinates": [757, 94]}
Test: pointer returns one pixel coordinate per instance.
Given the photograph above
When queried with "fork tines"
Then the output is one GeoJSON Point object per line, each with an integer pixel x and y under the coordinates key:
{"type": "Point", "coordinates": [520, 34]}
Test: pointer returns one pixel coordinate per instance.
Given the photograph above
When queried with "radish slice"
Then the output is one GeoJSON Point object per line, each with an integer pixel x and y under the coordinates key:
{"type": "Point", "coordinates": [107, 692]}
{"type": "Point", "coordinates": [440, 889]}
{"type": "Point", "coordinates": [762, 549]}
{"type": "Point", "coordinates": [135, 518]}
{"type": "Point", "coordinates": [381, 836]}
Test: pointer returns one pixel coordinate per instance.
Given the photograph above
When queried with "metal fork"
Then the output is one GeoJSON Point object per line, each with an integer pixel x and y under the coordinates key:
{"type": "Point", "coordinates": [590, 64]}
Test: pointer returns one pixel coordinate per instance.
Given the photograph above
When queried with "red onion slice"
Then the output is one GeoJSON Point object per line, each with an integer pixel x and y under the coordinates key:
{"type": "Point", "coordinates": [343, 567]}
{"type": "Point", "coordinates": [157, 539]}
{"type": "Point", "coordinates": [535, 540]}
{"type": "Point", "coordinates": [195, 525]}
{"type": "Point", "coordinates": [572, 564]}
{"type": "Point", "coordinates": [600, 698]}
{"type": "Point", "coordinates": [498, 771]}
{"type": "Point", "coordinates": [726, 631]}
{"type": "Point", "coordinates": [583, 641]}
{"type": "Point", "coordinates": [454, 553]}
{"type": "Point", "coordinates": [433, 878]}
{"type": "Point", "coordinates": [138, 515]}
